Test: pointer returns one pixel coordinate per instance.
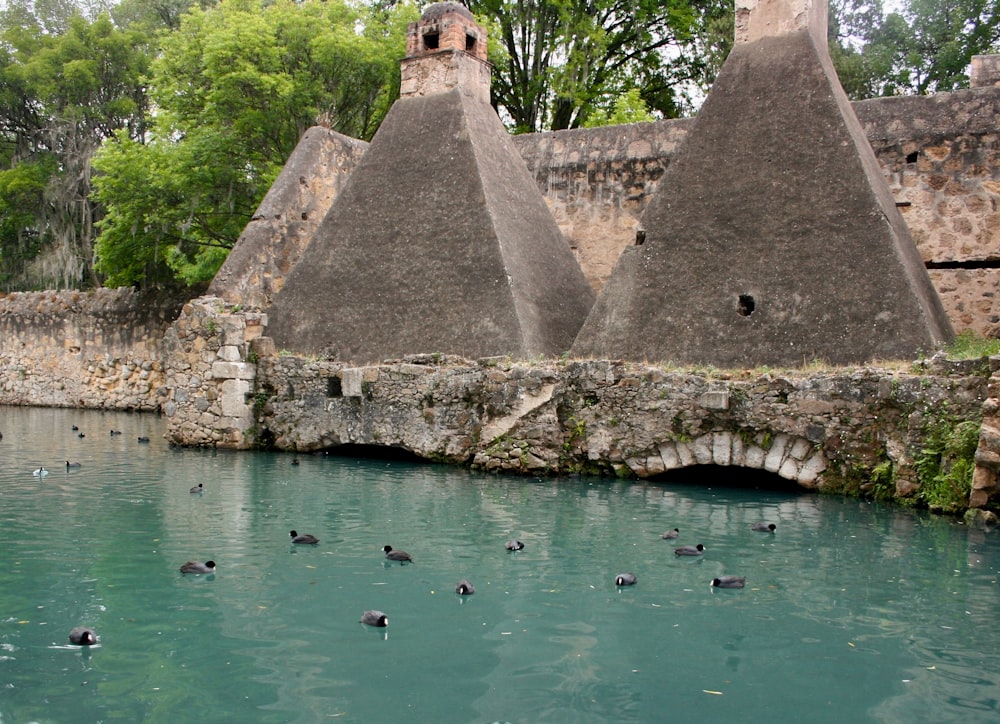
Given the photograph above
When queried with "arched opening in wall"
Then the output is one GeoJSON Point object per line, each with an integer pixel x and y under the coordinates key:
{"type": "Point", "coordinates": [373, 452]}
{"type": "Point", "coordinates": [729, 476]}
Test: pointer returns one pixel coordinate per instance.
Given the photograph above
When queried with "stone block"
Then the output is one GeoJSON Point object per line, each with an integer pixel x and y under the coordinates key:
{"type": "Point", "coordinates": [722, 448]}
{"type": "Point", "coordinates": [684, 454]}
{"type": "Point", "coordinates": [233, 371]}
{"type": "Point", "coordinates": [715, 400]}
{"type": "Point", "coordinates": [229, 353]}
{"type": "Point", "coordinates": [350, 381]}
{"type": "Point", "coordinates": [702, 448]}
{"type": "Point", "coordinates": [776, 455]}
{"type": "Point", "coordinates": [668, 454]}
{"type": "Point", "coordinates": [234, 397]}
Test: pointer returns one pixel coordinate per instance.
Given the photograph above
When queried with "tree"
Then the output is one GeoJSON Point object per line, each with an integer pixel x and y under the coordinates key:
{"type": "Point", "coordinates": [926, 47]}
{"type": "Point", "coordinates": [234, 88]}
{"type": "Point", "coordinates": [60, 96]}
{"type": "Point", "coordinates": [557, 61]}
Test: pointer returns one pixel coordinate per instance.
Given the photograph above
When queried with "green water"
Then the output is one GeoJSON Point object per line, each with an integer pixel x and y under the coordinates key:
{"type": "Point", "coordinates": [852, 611]}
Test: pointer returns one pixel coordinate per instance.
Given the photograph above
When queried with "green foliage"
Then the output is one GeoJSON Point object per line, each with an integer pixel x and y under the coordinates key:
{"type": "Point", "coordinates": [235, 89]}
{"type": "Point", "coordinates": [883, 481]}
{"type": "Point", "coordinates": [946, 463]}
{"type": "Point", "coordinates": [557, 61]}
{"type": "Point", "coordinates": [66, 84]}
{"type": "Point", "coordinates": [926, 47]}
{"type": "Point", "coordinates": [628, 108]}
{"type": "Point", "coordinates": [970, 345]}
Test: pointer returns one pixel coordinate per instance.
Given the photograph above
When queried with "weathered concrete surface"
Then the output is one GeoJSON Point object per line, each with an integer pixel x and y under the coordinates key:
{"type": "Point", "coordinates": [272, 243]}
{"type": "Point", "coordinates": [750, 257]}
{"type": "Point", "coordinates": [439, 243]}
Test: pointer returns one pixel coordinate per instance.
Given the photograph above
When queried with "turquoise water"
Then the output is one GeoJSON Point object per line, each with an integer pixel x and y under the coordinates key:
{"type": "Point", "coordinates": [851, 610]}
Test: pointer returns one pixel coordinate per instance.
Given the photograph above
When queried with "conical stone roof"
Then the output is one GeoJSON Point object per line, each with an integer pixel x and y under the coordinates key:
{"type": "Point", "coordinates": [440, 242]}
{"type": "Point", "coordinates": [772, 238]}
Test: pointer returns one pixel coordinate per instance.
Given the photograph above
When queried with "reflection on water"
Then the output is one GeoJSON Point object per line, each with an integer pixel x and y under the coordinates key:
{"type": "Point", "coordinates": [851, 610]}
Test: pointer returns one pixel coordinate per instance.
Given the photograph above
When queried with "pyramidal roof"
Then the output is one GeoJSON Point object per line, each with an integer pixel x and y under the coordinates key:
{"type": "Point", "coordinates": [773, 238]}
{"type": "Point", "coordinates": [440, 242]}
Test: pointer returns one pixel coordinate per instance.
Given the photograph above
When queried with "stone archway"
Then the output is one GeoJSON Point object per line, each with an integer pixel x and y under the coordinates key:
{"type": "Point", "coordinates": [788, 456]}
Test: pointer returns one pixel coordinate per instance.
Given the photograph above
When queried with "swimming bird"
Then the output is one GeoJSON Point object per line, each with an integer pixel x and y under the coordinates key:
{"type": "Point", "coordinates": [116, 432]}
{"type": "Point", "coordinates": [304, 538]}
{"type": "Point", "coordinates": [374, 618]}
{"type": "Point", "coordinates": [729, 581]}
{"type": "Point", "coordinates": [199, 488]}
{"type": "Point", "coordinates": [197, 567]}
{"type": "Point", "coordinates": [295, 461]}
{"type": "Point", "coordinates": [690, 550]}
{"type": "Point", "coordinates": [143, 438]}
{"type": "Point", "coordinates": [763, 527]}
{"type": "Point", "coordinates": [401, 556]}
{"type": "Point", "coordinates": [81, 435]}
{"type": "Point", "coordinates": [72, 465]}
{"type": "Point", "coordinates": [465, 588]}
{"type": "Point", "coordinates": [40, 473]}
{"type": "Point", "coordinates": [625, 579]}
{"type": "Point", "coordinates": [74, 428]}
{"type": "Point", "coordinates": [513, 545]}
{"type": "Point", "coordinates": [82, 636]}
{"type": "Point", "coordinates": [671, 534]}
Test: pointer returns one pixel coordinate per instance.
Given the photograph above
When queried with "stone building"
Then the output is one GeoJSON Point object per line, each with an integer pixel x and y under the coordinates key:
{"type": "Point", "coordinates": [440, 241]}
{"type": "Point", "coordinates": [746, 255]}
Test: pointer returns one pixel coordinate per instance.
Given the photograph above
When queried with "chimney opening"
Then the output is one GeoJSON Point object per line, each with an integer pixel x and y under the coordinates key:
{"type": "Point", "coordinates": [431, 41]}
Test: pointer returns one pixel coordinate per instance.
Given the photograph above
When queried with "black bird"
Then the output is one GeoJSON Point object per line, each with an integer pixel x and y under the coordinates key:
{"type": "Point", "coordinates": [625, 579]}
{"type": "Point", "coordinates": [116, 432]}
{"type": "Point", "coordinates": [401, 556]}
{"type": "Point", "coordinates": [143, 438]}
{"type": "Point", "coordinates": [690, 550]}
{"type": "Point", "coordinates": [197, 567]}
{"type": "Point", "coordinates": [671, 534]}
{"type": "Point", "coordinates": [729, 582]}
{"type": "Point", "coordinates": [295, 461]}
{"type": "Point", "coordinates": [304, 538]}
{"type": "Point", "coordinates": [72, 465]}
{"type": "Point", "coordinates": [465, 588]}
{"type": "Point", "coordinates": [375, 618]}
{"type": "Point", "coordinates": [82, 636]}
{"type": "Point", "coordinates": [764, 527]}
{"type": "Point", "coordinates": [81, 435]}
{"type": "Point", "coordinates": [74, 428]}
{"type": "Point", "coordinates": [199, 488]}
{"type": "Point", "coordinates": [513, 545]}
{"type": "Point", "coordinates": [40, 473]}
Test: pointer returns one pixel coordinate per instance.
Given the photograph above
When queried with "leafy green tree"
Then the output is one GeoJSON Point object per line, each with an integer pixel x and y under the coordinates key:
{"type": "Point", "coordinates": [926, 47]}
{"type": "Point", "coordinates": [61, 94]}
{"type": "Point", "coordinates": [234, 88]}
{"type": "Point", "coordinates": [557, 61]}
{"type": "Point", "coordinates": [628, 108]}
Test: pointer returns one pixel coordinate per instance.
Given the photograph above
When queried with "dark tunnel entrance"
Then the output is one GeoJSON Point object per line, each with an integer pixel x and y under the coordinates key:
{"type": "Point", "coordinates": [372, 452]}
{"type": "Point", "coordinates": [728, 476]}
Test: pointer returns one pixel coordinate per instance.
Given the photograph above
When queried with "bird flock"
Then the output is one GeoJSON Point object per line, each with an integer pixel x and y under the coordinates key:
{"type": "Point", "coordinates": [84, 636]}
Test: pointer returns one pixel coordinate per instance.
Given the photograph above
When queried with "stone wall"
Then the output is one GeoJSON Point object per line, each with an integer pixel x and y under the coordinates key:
{"type": "Point", "coordinates": [210, 373]}
{"type": "Point", "coordinates": [940, 155]}
{"type": "Point", "coordinates": [859, 431]}
{"type": "Point", "coordinates": [99, 349]}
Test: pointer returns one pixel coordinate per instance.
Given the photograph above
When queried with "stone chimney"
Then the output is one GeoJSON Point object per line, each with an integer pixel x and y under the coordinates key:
{"type": "Point", "coordinates": [985, 71]}
{"type": "Point", "coordinates": [756, 19]}
{"type": "Point", "coordinates": [445, 50]}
